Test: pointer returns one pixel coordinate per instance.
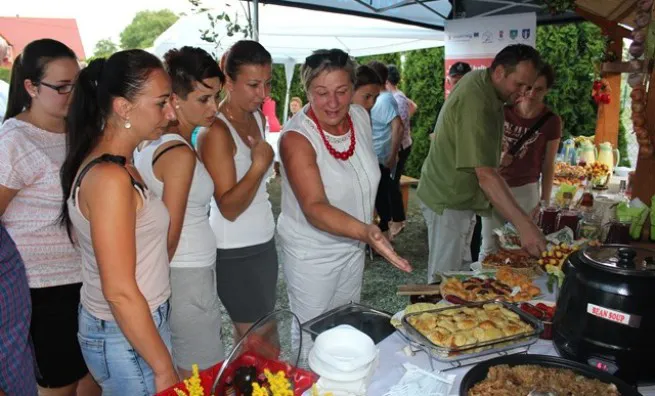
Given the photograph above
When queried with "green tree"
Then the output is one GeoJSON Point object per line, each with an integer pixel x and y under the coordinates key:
{"type": "Point", "coordinates": [5, 74]}
{"type": "Point", "coordinates": [231, 23]}
{"type": "Point", "coordinates": [422, 80]}
{"type": "Point", "coordinates": [279, 86]}
{"type": "Point", "coordinates": [146, 27]}
{"type": "Point", "coordinates": [573, 50]}
{"type": "Point", "coordinates": [393, 58]}
{"type": "Point", "coordinates": [104, 48]}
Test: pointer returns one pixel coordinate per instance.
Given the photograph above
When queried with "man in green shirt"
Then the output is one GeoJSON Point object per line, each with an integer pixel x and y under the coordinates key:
{"type": "Point", "coordinates": [459, 176]}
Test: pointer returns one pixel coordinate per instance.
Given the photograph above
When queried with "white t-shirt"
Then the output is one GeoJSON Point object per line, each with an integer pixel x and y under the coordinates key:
{"type": "Point", "coordinates": [30, 160]}
{"type": "Point", "coordinates": [197, 247]}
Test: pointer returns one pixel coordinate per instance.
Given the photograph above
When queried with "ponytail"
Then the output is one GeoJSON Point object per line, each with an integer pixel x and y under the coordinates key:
{"type": "Point", "coordinates": [84, 125]}
{"type": "Point", "coordinates": [18, 98]}
{"type": "Point", "coordinates": [123, 75]}
{"type": "Point", "coordinates": [31, 65]}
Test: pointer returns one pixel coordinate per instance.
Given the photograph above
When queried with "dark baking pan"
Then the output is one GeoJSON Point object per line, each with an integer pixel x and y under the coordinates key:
{"type": "Point", "coordinates": [479, 372]}
{"type": "Point", "coordinates": [376, 324]}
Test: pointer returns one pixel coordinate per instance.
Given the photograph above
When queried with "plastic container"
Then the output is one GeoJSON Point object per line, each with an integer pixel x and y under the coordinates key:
{"type": "Point", "coordinates": [260, 349]}
{"type": "Point", "coordinates": [324, 369]}
{"type": "Point", "coordinates": [344, 348]}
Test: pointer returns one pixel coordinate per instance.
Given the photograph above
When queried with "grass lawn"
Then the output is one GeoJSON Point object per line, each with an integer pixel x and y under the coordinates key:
{"type": "Point", "coordinates": [380, 277]}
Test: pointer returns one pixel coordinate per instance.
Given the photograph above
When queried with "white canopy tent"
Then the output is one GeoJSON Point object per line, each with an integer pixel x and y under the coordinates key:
{"type": "Point", "coordinates": [291, 34]}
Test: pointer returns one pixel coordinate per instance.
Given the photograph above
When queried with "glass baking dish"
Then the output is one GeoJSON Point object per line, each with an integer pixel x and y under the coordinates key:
{"type": "Point", "coordinates": [470, 351]}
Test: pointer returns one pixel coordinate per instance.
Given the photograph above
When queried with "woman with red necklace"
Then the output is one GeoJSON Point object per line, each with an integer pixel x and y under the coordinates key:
{"type": "Point", "coordinates": [330, 176]}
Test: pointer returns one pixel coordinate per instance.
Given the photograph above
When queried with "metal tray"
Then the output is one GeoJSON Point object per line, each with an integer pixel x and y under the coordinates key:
{"type": "Point", "coordinates": [376, 324]}
{"type": "Point", "coordinates": [468, 352]}
{"type": "Point", "coordinates": [479, 372]}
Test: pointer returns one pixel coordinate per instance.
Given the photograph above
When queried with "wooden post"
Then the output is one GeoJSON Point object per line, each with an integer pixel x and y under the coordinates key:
{"type": "Point", "coordinates": [607, 122]}
{"type": "Point", "coordinates": [644, 179]}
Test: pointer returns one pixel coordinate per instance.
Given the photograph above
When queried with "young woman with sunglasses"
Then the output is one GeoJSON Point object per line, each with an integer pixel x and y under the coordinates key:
{"type": "Point", "coordinates": [329, 181]}
{"type": "Point", "coordinates": [32, 150]}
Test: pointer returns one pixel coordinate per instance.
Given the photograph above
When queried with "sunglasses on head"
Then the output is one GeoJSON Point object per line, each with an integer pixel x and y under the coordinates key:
{"type": "Point", "coordinates": [334, 56]}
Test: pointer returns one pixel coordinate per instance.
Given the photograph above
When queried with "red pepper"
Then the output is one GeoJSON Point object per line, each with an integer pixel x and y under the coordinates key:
{"type": "Point", "coordinates": [548, 310]}
{"type": "Point", "coordinates": [532, 310]}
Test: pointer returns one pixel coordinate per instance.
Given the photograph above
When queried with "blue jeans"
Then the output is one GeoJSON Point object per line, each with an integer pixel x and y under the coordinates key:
{"type": "Point", "coordinates": [113, 363]}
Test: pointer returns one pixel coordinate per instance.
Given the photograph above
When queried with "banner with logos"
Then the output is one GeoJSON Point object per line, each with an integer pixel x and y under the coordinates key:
{"type": "Point", "coordinates": [476, 41]}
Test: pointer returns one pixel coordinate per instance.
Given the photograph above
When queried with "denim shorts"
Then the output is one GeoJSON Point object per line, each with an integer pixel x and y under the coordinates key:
{"type": "Point", "coordinates": [113, 363]}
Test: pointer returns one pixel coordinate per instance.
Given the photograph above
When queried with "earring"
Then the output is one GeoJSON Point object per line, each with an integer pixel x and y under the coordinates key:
{"type": "Point", "coordinates": [128, 125]}
{"type": "Point", "coordinates": [177, 106]}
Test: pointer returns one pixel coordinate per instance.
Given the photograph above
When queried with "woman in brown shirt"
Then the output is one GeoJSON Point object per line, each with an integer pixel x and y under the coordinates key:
{"type": "Point", "coordinates": [534, 152]}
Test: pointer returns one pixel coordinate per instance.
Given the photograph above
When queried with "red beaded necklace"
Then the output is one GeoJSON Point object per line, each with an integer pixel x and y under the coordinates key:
{"type": "Point", "coordinates": [342, 155]}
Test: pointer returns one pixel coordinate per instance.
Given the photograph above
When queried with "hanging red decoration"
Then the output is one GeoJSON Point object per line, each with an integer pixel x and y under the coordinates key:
{"type": "Point", "coordinates": [601, 92]}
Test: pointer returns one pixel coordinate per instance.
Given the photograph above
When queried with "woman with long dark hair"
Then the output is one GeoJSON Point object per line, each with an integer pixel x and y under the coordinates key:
{"type": "Point", "coordinates": [172, 170]}
{"type": "Point", "coordinates": [119, 225]}
{"type": "Point", "coordinates": [239, 159]}
{"type": "Point", "coordinates": [32, 150]}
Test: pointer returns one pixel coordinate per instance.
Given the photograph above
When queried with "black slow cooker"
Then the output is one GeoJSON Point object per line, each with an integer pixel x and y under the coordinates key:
{"type": "Point", "coordinates": [606, 311]}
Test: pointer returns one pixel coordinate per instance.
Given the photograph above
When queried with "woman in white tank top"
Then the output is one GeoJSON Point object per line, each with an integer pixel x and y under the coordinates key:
{"type": "Point", "coordinates": [330, 176]}
{"type": "Point", "coordinates": [236, 154]}
{"type": "Point", "coordinates": [172, 171]}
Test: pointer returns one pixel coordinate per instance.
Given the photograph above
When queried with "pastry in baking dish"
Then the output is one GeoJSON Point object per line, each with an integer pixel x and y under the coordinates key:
{"type": "Point", "coordinates": [468, 326]}
{"type": "Point", "coordinates": [501, 288]}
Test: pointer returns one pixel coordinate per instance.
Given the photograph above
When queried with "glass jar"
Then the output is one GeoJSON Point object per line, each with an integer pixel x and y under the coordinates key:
{"type": "Point", "coordinates": [619, 231]}
{"type": "Point", "coordinates": [589, 227]}
{"type": "Point", "coordinates": [548, 219]}
{"type": "Point", "coordinates": [568, 218]}
{"type": "Point", "coordinates": [587, 201]}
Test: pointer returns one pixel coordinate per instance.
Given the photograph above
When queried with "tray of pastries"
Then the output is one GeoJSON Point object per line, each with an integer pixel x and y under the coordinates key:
{"type": "Point", "coordinates": [467, 331]}
{"type": "Point", "coordinates": [518, 260]}
{"type": "Point", "coordinates": [570, 172]}
{"type": "Point", "coordinates": [506, 284]}
{"type": "Point", "coordinates": [572, 181]}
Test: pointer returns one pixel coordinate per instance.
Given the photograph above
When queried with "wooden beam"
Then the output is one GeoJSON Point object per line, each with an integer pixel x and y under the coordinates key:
{"type": "Point", "coordinates": [622, 67]}
{"type": "Point", "coordinates": [644, 178]}
{"type": "Point", "coordinates": [610, 28]}
{"type": "Point", "coordinates": [607, 123]}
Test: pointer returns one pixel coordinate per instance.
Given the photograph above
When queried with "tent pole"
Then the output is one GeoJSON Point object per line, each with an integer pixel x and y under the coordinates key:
{"type": "Point", "coordinates": [255, 17]}
{"type": "Point", "coordinates": [288, 73]}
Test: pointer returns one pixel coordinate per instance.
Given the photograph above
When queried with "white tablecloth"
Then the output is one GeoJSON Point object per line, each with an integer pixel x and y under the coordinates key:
{"type": "Point", "coordinates": [392, 357]}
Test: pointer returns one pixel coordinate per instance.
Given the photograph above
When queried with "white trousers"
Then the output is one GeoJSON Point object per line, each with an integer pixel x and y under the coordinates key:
{"type": "Point", "coordinates": [318, 283]}
{"type": "Point", "coordinates": [449, 239]}
{"type": "Point", "coordinates": [527, 197]}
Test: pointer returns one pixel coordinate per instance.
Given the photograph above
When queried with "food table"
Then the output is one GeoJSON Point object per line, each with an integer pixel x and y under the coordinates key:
{"type": "Point", "coordinates": [392, 358]}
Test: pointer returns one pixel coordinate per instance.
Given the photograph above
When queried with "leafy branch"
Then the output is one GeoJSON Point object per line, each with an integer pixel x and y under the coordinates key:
{"type": "Point", "coordinates": [232, 24]}
{"type": "Point", "coordinates": [559, 6]}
